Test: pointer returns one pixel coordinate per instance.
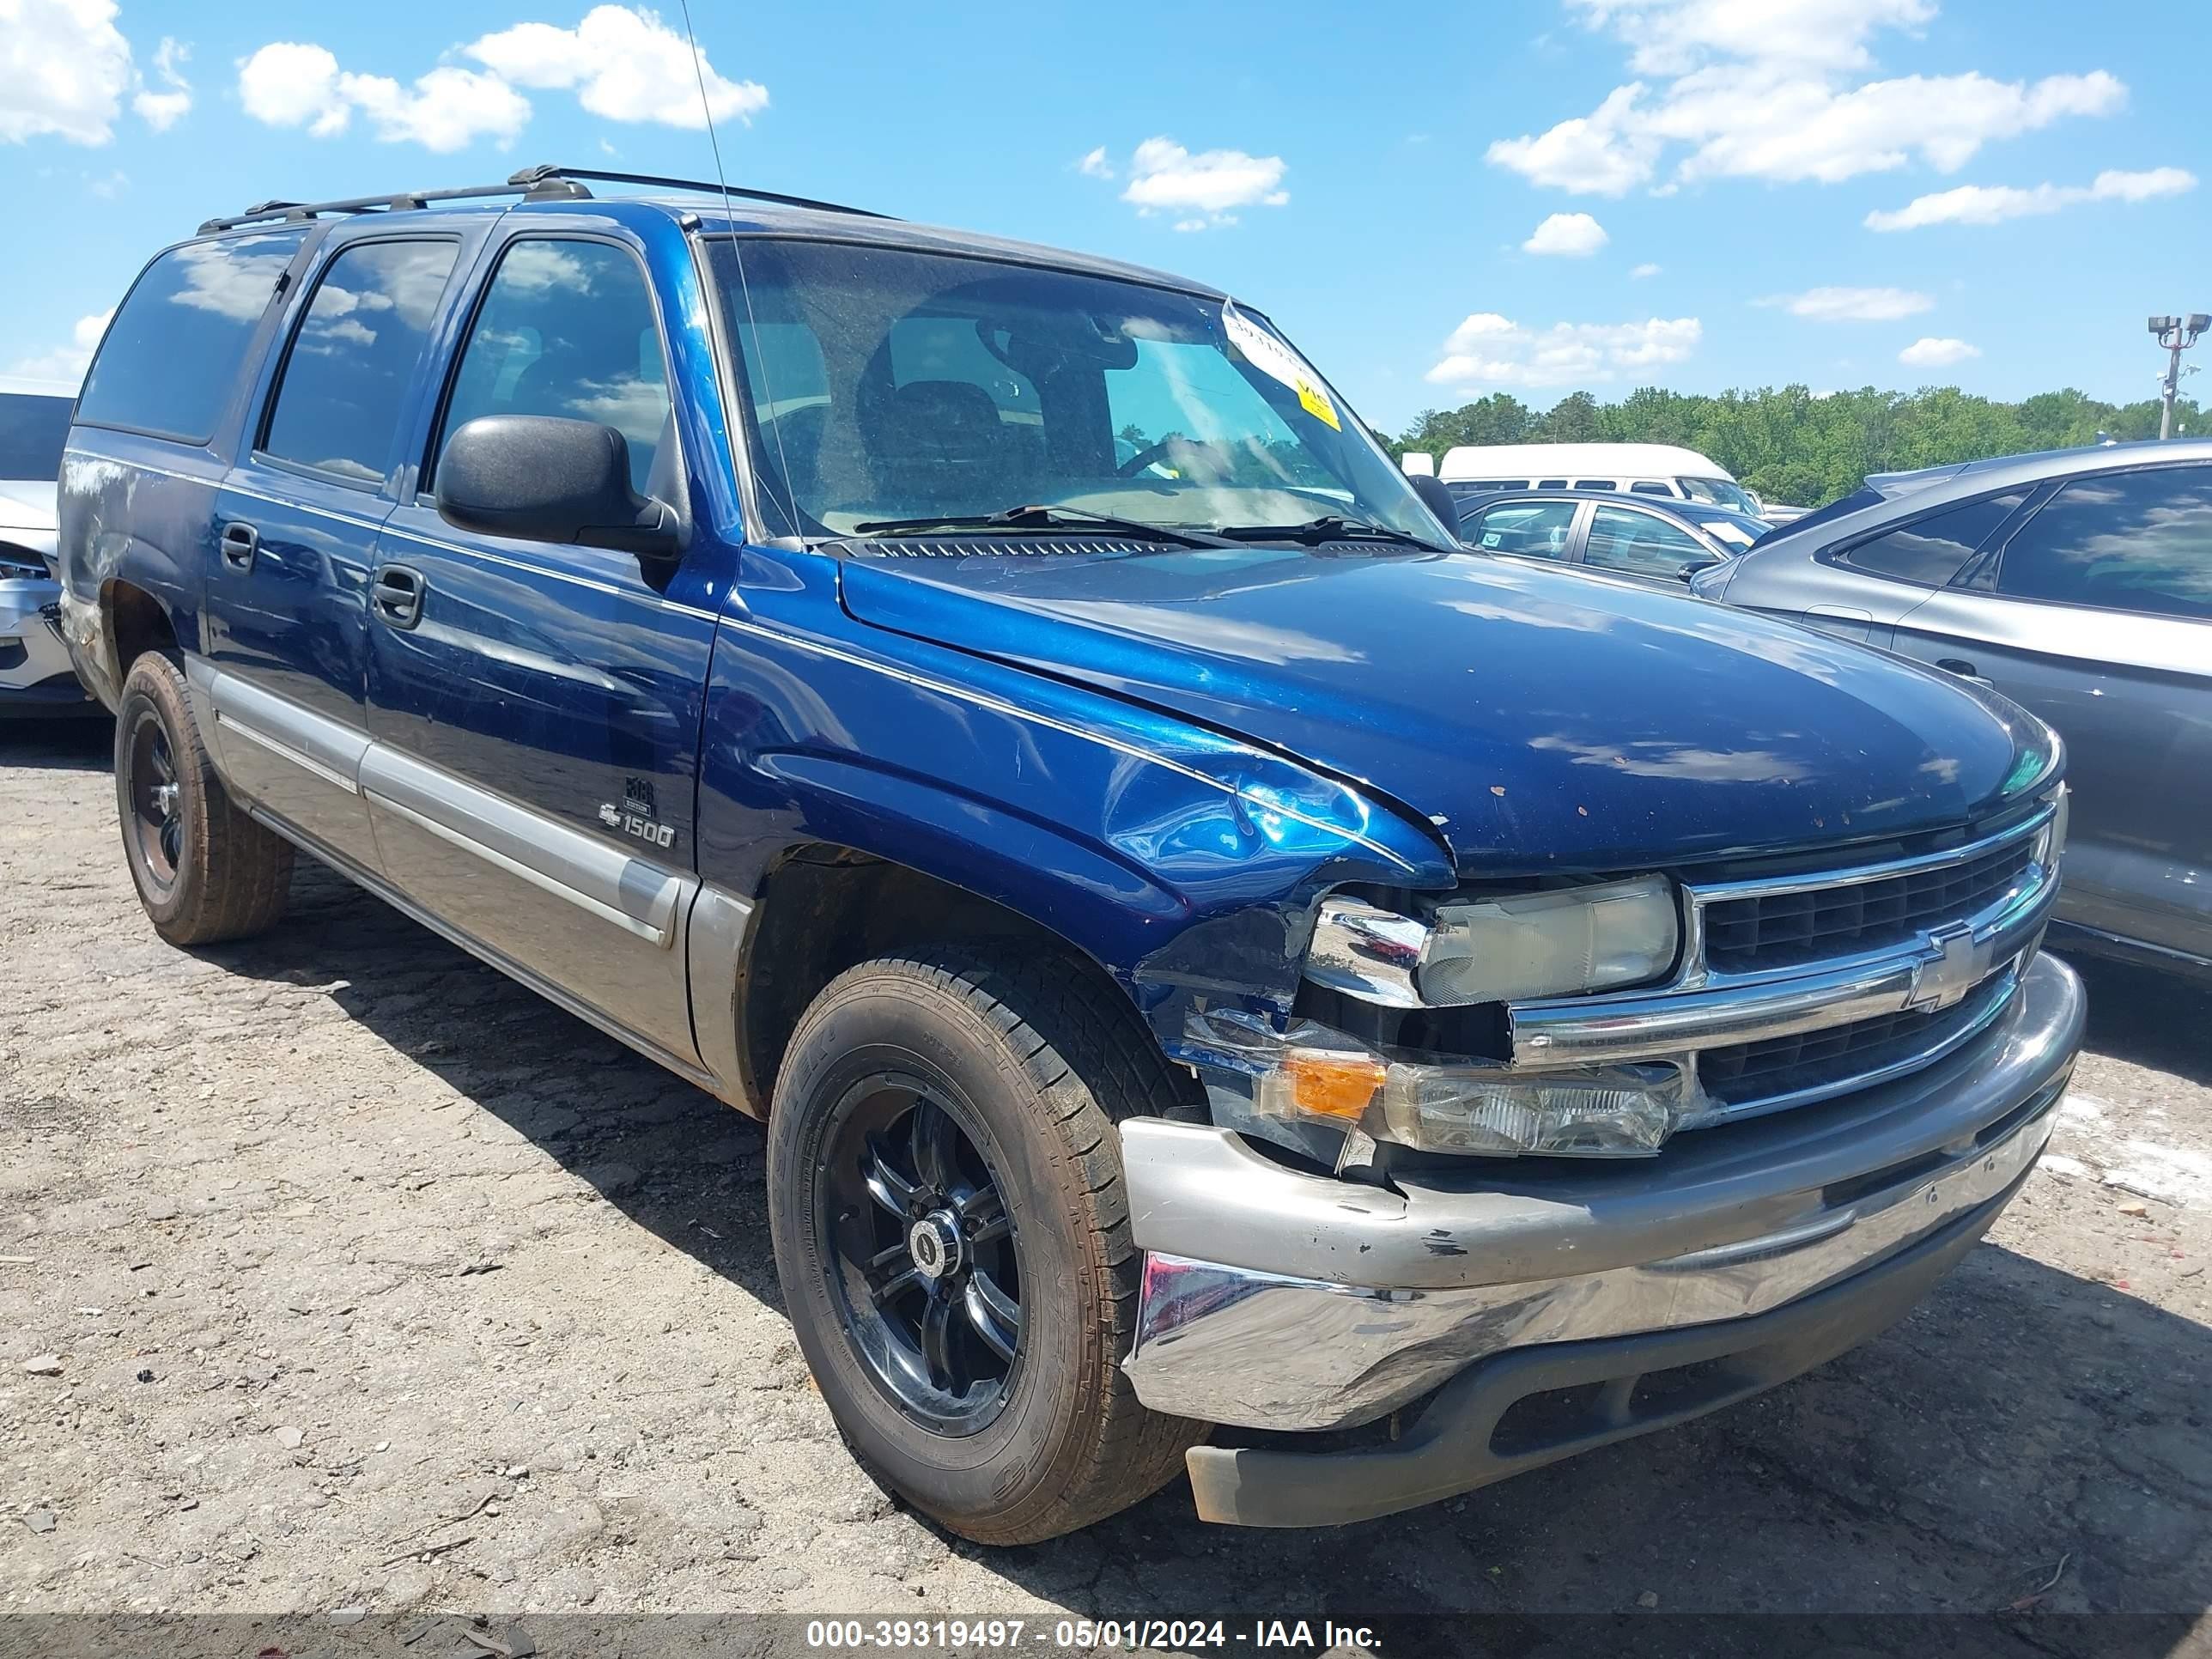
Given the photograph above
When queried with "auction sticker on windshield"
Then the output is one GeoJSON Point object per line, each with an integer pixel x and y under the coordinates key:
{"type": "Point", "coordinates": [1278, 363]}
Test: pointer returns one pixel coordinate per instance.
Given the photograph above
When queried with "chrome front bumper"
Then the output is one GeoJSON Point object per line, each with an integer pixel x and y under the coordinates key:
{"type": "Point", "coordinates": [1279, 1300]}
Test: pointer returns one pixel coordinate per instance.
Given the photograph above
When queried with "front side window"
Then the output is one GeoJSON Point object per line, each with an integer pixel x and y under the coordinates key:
{"type": "Point", "coordinates": [1536, 528]}
{"type": "Point", "coordinates": [33, 430]}
{"type": "Point", "coordinates": [353, 357]}
{"type": "Point", "coordinates": [2128, 541]}
{"type": "Point", "coordinates": [888, 384]}
{"type": "Point", "coordinates": [1933, 549]}
{"type": "Point", "coordinates": [567, 328]}
{"type": "Point", "coordinates": [174, 353]}
{"type": "Point", "coordinates": [1641, 544]}
{"type": "Point", "coordinates": [1649, 486]}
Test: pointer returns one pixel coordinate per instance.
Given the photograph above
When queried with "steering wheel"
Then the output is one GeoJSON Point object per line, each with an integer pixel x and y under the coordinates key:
{"type": "Point", "coordinates": [1191, 452]}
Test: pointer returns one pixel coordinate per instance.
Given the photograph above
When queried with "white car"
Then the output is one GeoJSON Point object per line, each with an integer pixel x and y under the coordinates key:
{"type": "Point", "coordinates": [35, 676]}
{"type": "Point", "coordinates": [1662, 470]}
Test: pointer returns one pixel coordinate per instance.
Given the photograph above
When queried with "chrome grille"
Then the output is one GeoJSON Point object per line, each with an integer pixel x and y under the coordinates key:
{"type": "Point", "coordinates": [1790, 1070]}
{"type": "Point", "coordinates": [1786, 929]}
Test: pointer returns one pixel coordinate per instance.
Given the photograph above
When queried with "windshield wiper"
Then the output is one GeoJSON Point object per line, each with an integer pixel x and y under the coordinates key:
{"type": "Point", "coordinates": [1329, 527]}
{"type": "Point", "coordinates": [1052, 520]}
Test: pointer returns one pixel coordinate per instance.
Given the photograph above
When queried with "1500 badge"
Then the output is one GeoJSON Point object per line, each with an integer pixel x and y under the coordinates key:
{"type": "Point", "coordinates": [634, 815]}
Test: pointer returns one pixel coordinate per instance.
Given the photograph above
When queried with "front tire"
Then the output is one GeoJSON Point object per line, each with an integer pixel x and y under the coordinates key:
{"type": "Point", "coordinates": [945, 1197]}
{"type": "Point", "coordinates": [204, 871]}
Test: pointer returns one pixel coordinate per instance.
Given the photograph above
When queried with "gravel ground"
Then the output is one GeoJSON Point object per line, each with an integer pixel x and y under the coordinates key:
{"type": "Point", "coordinates": [336, 1271]}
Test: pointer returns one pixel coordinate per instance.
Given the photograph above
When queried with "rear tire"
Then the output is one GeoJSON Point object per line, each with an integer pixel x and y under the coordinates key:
{"type": "Point", "coordinates": [919, 1100]}
{"type": "Point", "coordinates": [204, 870]}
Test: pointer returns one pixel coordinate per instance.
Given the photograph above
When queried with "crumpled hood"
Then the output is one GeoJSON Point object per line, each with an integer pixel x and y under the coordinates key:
{"type": "Point", "coordinates": [1540, 719]}
{"type": "Point", "coordinates": [28, 504]}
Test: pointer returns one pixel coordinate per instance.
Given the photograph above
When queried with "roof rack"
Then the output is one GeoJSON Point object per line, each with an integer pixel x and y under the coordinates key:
{"type": "Point", "coordinates": [539, 177]}
{"type": "Point", "coordinates": [542, 182]}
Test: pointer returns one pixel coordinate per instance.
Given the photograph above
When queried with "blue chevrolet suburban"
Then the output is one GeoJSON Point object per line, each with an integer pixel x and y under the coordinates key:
{"type": "Point", "coordinates": [1210, 952]}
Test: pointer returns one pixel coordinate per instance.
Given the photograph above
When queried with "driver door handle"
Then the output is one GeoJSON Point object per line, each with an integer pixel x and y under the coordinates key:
{"type": "Point", "coordinates": [240, 541]}
{"type": "Point", "coordinates": [396, 595]}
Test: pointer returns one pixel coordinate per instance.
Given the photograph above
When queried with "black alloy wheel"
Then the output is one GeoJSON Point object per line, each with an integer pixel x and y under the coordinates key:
{"type": "Point", "coordinates": [927, 1277]}
{"type": "Point", "coordinates": [157, 820]}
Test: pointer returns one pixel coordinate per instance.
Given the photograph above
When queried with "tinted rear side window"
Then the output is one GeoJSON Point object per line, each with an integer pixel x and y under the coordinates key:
{"type": "Point", "coordinates": [175, 350]}
{"type": "Point", "coordinates": [2128, 541]}
{"type": "Point", "coordinates": [1933, 549]}
{"type": "Point", "coordinates": [353, 359]}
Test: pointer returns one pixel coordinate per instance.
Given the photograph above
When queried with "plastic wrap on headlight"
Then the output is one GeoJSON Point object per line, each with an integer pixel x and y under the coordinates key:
{"type": "Point", "coordinates": [1308, 1072]}
{"type": "Point", "coordinates": [1550, 943]}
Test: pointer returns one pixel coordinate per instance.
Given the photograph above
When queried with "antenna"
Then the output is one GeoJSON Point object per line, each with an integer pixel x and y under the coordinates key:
{"type": "Point", "coordinates": [737, 252]}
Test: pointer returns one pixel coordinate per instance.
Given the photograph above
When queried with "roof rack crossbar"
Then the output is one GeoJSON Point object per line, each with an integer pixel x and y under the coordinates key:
{"type": "Point", "coordinates": [396, 201]}
{"type": "Point", "coordinates": [544, 174]}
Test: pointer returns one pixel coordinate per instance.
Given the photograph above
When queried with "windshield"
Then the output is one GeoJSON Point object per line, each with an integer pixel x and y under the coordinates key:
{"type": "Point", "coordinates": [32, 431]}
{"type": "Point", "coordinates": [886, 384]}
{"type": "Point", "coordinates": [1719, 492]}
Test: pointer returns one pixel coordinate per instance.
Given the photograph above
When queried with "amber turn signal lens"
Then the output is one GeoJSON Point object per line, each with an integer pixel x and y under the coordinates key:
{"type": "Point", "coordinates": [1340, 1086]}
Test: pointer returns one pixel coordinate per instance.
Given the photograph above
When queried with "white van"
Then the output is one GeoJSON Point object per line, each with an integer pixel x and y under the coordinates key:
{"type": "Point", "coordinates": [1637, 468]}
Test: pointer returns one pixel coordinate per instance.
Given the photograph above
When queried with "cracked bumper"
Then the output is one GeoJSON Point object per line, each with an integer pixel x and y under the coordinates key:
{"type": "Point", "coordinates": [1277, 1300]}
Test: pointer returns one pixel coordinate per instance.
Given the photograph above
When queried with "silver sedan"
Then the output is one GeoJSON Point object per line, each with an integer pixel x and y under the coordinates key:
{"type": "Point", "coordinates": [2079, 583]}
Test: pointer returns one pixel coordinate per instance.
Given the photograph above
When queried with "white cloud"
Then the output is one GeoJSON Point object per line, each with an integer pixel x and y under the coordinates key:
{"type": "Point", "coordinates": [1164, 177]}
{"type": "Point", "coordinates": [64, 69]}
{"type": "Point", "coordinates": [448, 109]}
{"type": "Point", "coordinates": [163, 109]}
{"type": "Point", "coordinates": [1853, 305]}
{"type": "Point", "coordinates": [1930, 352]}
{"type": "Point", "coordinates": [1990, 204]}
{"type": "Point", "coordinates": [625, 64]}
{"type": "Point", "coordinates": [1643, 270]}
{"type": "Point", "coordinates": [288, 84]}
{"type": "Point", "coordinates": [1599, 155]}
{"type": "Point", "coordinates": [1575, 236]}
{"type": "Point", "coordinates": [1768, 90]}
{"type": "Point", "coordinates": [1490, 351]}
{"type": "Point", "coordinates": [65, 365]}
{"type": "Point", "coordinates": [1095, 165]}
{"type": "Point", "coordinates": [1672, 37]}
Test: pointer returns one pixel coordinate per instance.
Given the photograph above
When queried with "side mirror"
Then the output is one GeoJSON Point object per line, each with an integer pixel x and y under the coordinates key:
{"type": "Point", "coordinates": [1438, 499]}
{"type": "Point", "coordinates": [542, 479]}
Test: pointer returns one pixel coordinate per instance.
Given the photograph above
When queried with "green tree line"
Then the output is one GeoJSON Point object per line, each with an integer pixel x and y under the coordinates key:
{"type": "Point", "coordinates": [1792, 446]}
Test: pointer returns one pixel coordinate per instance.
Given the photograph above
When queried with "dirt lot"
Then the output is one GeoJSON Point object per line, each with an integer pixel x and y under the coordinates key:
{"type": "Point", "coordinates": [371, 1280]}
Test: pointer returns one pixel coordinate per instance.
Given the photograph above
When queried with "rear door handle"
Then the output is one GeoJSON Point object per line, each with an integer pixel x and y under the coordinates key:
{"type": "Point", "coordinates": [240, 541]}
{"type": "Point", "coordinates": [1961, 667]}
{"type": "Point", "coordinates": [396, 595]}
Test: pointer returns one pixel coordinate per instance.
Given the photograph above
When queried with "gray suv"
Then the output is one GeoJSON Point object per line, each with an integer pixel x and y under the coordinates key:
{"type": "Point", "coordinates": [2080, 583]}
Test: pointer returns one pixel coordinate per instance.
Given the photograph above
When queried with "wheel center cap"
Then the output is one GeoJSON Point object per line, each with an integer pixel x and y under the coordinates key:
{"type": "Point", "coordinates": [933, 1242]}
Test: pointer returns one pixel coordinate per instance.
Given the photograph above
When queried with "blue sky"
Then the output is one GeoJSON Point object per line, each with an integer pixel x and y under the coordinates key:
{"type": "Point", "coordinates": [1532, 195]}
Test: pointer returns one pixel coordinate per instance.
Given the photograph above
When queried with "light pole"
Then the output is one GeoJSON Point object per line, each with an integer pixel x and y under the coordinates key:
{"type": "Point", "coordinates": [2175, 335]}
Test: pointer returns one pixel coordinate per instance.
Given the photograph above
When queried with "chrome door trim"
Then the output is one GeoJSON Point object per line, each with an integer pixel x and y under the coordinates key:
{"type": "Point", "coordinates": [538, 878]}
{"type": "Point", "coordinates": [637, 895]}
{"type": "Point", "coordinates": [230, 722]}
{"type": "Point", "coordinates": [328, 749]}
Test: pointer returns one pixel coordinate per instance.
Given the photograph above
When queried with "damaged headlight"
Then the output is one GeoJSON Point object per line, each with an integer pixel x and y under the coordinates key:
{"type": "Point", "coordinates": [1516, 946]}
{"type": "Point", "coordinates": [1309, 1074]}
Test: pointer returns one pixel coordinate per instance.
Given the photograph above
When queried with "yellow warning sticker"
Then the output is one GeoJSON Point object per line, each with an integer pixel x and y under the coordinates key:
{"type": "Point", "coordinates": [1267, 354]}
{"type": "Point", "coordinates": [1315, 403]}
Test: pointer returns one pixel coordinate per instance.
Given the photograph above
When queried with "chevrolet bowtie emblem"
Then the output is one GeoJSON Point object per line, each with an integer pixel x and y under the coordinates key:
{"type": "Point", "coordinates": [1953, 970]}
